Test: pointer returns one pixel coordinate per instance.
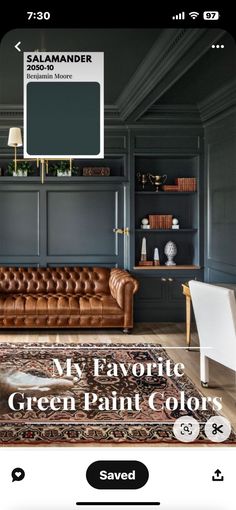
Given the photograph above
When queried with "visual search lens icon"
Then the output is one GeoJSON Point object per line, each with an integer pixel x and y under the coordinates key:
{"type": "Point", "coordinates": [18, 474]}
{"type": "Point", "coordinates": [186, 429]}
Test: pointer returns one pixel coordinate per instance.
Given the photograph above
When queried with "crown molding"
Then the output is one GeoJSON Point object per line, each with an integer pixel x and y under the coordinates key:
{"type": "Point", "coordinates": [112, 115]}
{"type": "Point", "coordinates": [172, 114]}
{"type": "Point", "coordinates": [173, 53]}
{"type": "Point", "coordinates": [214, 105]}
{"type": "Point", "coordinates": [14, 113]}
{"type": "Point", "coordinates": [218, 103]}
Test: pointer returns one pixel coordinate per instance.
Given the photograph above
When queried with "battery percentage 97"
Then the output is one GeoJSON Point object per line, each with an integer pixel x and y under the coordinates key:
{"type": "Point", "coordinates": [211, 15]}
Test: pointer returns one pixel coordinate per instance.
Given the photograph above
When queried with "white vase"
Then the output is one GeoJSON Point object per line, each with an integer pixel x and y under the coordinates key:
{"type": "Point", "coordinates": [64, 173]}
{"type": "Point", "coordinates": [20, 173]}
{"type": "Point", "coordinates": [170, 251]}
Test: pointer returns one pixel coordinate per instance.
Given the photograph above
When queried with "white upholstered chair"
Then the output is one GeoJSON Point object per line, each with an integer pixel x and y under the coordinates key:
{"type": "Point", "coordinates": [215, 313]}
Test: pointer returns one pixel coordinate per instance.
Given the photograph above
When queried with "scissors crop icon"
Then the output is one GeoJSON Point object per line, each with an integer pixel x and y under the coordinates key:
{"type": "Point", "coordinates": [217, 428]}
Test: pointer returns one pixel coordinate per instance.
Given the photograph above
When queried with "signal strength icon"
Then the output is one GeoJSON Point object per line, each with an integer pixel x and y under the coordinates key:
{"type": "Point", "coordinates": [194, 14]}
{"type": "Point", "coordinates": [181, 15]}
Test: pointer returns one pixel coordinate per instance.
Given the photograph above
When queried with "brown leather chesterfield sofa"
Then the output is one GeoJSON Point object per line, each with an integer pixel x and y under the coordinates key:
{"type": "Point", "coordinates": [68, 297]}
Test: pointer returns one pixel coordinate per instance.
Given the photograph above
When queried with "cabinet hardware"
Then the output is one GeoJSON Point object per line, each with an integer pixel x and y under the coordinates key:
{"type": "Point", "coordinates": [163, 279]}
{"type": "Point", "coordinates": [124, 231]}
{"type": "Point", "coordinates": [170, 279]}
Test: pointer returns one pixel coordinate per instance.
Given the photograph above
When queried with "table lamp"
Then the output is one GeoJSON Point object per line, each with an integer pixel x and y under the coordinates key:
{"type": "Point", "coordinates": [15, 140]}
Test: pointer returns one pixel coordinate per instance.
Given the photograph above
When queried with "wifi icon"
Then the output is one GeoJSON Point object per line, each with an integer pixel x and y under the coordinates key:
{"type": "Point", "coordinates": [194, 15]}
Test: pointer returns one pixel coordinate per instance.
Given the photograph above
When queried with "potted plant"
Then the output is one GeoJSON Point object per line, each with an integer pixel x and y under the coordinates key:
{"type": "Point", "coordinates": [61, 169]}
{"type": "Point", "coordinates": [23, 169]}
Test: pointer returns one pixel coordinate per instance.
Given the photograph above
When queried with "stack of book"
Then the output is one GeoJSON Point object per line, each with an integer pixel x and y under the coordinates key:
{"type": "Point", "coordinates": [170, 187]}
{"type": "Point", "coordinates": [145, 263]}
{"type": "Point", "coordinates": [96, 171]}
{"type": "Point", "coordinates": [186, 183]}
{"type": "Point", "coordinates": [160, 221]}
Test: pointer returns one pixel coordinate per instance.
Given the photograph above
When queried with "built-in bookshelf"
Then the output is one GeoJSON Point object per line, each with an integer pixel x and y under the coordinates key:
{"type": "Point", "coordinates": [183, 205]}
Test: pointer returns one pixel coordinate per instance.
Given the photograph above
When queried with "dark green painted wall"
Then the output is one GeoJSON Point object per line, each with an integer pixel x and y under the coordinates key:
{"type": "Point", "coordinates": [43, 224]}
{"type": "Point", "coordinates": [220, 199]}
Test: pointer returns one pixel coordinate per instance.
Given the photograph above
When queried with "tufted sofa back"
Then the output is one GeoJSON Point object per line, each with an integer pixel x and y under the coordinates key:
{"type": "Point", "coordinates": [73, 280]}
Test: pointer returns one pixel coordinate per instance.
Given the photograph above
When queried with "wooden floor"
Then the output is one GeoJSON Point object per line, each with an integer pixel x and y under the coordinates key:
{"type": "Point", "coordinates": [169, 335]}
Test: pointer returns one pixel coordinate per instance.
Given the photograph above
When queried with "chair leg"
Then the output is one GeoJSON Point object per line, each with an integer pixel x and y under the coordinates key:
{"type": "Point", "coordinates": [204, 370]}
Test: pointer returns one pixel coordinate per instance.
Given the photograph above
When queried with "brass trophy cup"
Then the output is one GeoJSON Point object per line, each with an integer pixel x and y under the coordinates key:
{"type": "Point", "coordinates": [157, 180]}
{"type": "Point", "coordinates": [142, 178]}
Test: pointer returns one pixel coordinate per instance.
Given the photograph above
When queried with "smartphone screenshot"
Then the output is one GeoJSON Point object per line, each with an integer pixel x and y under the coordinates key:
{"type": "Point", "coordinates": [117, 259]}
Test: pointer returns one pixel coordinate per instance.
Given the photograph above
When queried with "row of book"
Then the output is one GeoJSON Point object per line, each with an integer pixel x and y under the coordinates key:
{"type": "Point", "coordinates": [186, 183]}
{"type": "Point", "coordinates": [160, 221]}
{"type": "Point", "coordinates": [182, 184]}
{"type": "Point", "coordinates": [96, 171]}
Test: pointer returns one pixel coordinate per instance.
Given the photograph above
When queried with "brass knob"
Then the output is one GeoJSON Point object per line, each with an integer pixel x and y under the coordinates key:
{"type": "Point", "coordinates": [118, 231]}
{"type": "Point", "coordinates": [124, 231]}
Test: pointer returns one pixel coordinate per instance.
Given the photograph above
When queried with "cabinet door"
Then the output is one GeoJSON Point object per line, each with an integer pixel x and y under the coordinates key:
{"type": "Point", "coordinates": [80, 224]}
{"type": "Point", "coordinates": [175, 298]}
{"type": "Point", "coordinates": [150, 299]}
{"type": "Point", "coordinates": [151, 289]}
{"type": "Point", "coordinates": [175, 290]}
{"type": "Point", "coordinates": [65, 225]}
{"type": "Point", "coordinates": [160, 298]}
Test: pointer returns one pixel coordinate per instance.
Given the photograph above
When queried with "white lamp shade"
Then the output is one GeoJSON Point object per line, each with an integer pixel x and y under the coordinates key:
{"type": "Point", "coordinates": [15, 138]}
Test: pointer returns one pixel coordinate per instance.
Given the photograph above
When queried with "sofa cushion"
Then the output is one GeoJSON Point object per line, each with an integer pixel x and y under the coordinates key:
{"type": "Point", "coordinates": [50, 280]}
{"type": "Point", "coordinates": [101, 304]}
{"type": "Point", "coordinates": [34, 304]}
{"type": "Point", "coordinates": [58, 304]}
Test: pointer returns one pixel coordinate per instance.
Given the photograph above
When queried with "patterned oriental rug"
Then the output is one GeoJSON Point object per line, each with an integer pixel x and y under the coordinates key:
{"type": "Point", "coordinates": [117, 393]}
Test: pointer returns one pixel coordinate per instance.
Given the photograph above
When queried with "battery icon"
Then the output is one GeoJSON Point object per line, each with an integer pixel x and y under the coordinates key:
{"type": "Point", "coordinates": [211, 15]}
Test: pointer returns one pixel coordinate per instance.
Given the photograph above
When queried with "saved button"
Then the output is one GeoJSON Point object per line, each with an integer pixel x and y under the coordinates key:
{"type": "Point", "coordinates": [117, 474]}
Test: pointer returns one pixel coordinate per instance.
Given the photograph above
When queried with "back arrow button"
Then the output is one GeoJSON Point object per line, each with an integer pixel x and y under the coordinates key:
{"type": "Point", "coordinates": [17, 46]}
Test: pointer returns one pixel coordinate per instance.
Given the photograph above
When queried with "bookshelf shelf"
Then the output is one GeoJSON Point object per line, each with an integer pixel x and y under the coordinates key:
{"type": "Point", "coordinates": [162, 230]}
{"type": "Point", "coordinates": [183, 205]}
{"type": "Point", "coordinates": [166, 268]}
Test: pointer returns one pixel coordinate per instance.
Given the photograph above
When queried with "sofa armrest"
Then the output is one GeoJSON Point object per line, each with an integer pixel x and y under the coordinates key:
{"type": "Point", "coordinates": [123, 286]}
